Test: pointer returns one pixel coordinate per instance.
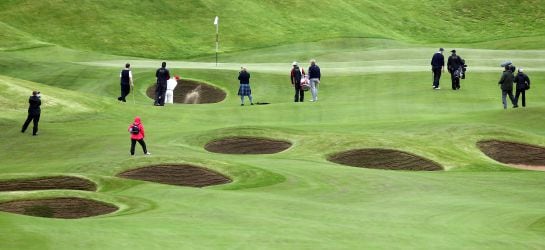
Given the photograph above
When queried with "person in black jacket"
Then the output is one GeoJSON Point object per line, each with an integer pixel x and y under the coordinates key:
{"type": "Point", "coordinates": [296, 75]}
{"type": "Point", "coordinates": [437, 66]}
{"type": "Point", "coordinates": [454, 65]}
{"type": "Point", "coordinates": [244, 88]}
{"type": "Point", "coordinates": [33, 112]}
{"type": "Point", "coordinates": [506, 85]}
{"type": "Point", "coordinates": [126, 82]}
{"type": "Point", "coordinates": [314, 76]}
{"type": "Point", "coordinates": [162, 75]}
{"type": "Point", "coordinates": [523, 83]}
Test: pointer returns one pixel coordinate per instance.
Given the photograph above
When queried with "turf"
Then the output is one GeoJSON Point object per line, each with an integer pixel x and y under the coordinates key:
{"type": "Point", "coordinates": [375, 93]}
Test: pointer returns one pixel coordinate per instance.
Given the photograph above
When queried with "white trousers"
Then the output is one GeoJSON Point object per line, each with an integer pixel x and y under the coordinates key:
{"type": "Point", "coordinates": [314, 88]}
{"type": "Point", "coordinates": [169, 96]}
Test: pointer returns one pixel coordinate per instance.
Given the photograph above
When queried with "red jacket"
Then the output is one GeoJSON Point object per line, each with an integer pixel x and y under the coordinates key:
{"type": "Point", "coordinates": [140, 134]}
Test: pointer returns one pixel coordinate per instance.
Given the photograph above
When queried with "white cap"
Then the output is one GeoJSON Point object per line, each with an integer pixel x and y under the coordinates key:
{"type": "Point", "coordinates": [520, 70]}
{"type": "Point", "coordinates": [294, 63]}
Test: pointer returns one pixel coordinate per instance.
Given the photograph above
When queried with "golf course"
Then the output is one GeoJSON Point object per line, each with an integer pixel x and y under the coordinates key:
{"type": "Point", "coordinates": [380, 161]}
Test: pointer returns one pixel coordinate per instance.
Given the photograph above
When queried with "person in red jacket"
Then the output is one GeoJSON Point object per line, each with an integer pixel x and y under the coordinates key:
{"type": "Point", "coordinates": [137, 135]}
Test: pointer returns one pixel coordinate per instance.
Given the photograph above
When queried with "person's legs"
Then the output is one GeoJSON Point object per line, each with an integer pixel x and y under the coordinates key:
{"type": "Point", "coordinates": [125, 90]}
{"type": "Point", "coordinates": [517, 95]}
{"type": "Point", "coordinates": [164, 94]}
{"type": "Point", "coordinates": [453, 81]}
{"type": "Point", "coordinates": [133, 143]}
{"type": "Point", "coordinates": [25, 125]}
{"type": "Point", "coordinates": [36, 119]}
{"type": "Point", "coordinates": [512, 98]}
{"type": "Point", "coordinates": [523, 98]}
{"type": "Point", "coordinates": [436, 77]}
{"type": "Point", "coordinates": [296, 93]}
{"type": "Point", "coordinates": [251, 99]}
{"type": "Point", "coordinates": [313, 90]}
{"type": "Point", "coordinates": [301, 94]}
{"type": "Point", "coordinates": [503, 99]}
{"type": "Point", "coordinates": [157, 93]}
{"type": "Point", "coordinates": [143, 144]}
{"type": "Point", "coordinates": [241, 100]}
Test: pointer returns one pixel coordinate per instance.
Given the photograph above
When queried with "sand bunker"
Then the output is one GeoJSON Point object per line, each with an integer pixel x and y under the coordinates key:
{"type": "Point", "coordinates": [519, 155]}
{"type": "Point", "coordinates": [193, 92]}
{"type": "Point", "coordinates": [384, 159]}
{"type": "Point", "coordinates": [180, 175]}
{"type": "Point", "coordinates": [46, 183]}
{"type": "Point", "coordinates": [247, 145]}
{"type": "Point", "coordinates": [66, 208]}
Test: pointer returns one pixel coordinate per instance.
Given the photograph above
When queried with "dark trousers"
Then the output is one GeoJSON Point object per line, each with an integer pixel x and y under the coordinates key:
{"type": "Point", "coordinates": [31, 117]}
{"type": "Point", "coordinates": [504, 94]}
{"type": "Point", "coordinates": [436, 76]}
{"type": "Point", "coordinates": [160, 93]}
{"type": "Point", "coordinates": [455, 81]}
{"type": "Point", "coordinates": [523, 92]}
{"type": "Point", "coordinates": [141, 142]}
{"type": "Point", "coordinates": [125, 90]}
{"type": "Point", "coordinates": [299, 93]}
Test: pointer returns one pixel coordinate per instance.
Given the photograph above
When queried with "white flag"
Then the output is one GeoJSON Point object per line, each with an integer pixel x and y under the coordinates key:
{"type": "Point", "coordinates": [216, 21]}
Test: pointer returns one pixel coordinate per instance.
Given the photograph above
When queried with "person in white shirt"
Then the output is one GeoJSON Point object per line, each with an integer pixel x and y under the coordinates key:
{"type": "Point", "coordinates": [126, 82]}
{"type": "Point", "coordinates": [171, 85]}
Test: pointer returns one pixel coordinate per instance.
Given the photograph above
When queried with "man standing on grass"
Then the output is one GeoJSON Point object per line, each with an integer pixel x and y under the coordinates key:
{"type": "Point", "coordinates": [126, 82]}
{"type": "Point", "coordinates": [34, 111]}
{"type": "Point", "coordinates": [314, 79]}
{"type": "Point", "coordinates": [162, 74]}
{"type": "Point", "coordinates": [523, 83]}
{"type": "Point", "coordinates": [437, 66]}
{"type": "Point", "coordinates": [506, 84]}
{"type": "Point", "coordinates": [454, 65]}
{"type": "Point", "coordinates": [296, 75]}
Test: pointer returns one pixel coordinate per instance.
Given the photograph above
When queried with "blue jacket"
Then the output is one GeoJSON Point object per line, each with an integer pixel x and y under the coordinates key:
{"type": "Point", "coordinates": [438, 60]}
{"type": "Point", "coordinates": [314, 71]}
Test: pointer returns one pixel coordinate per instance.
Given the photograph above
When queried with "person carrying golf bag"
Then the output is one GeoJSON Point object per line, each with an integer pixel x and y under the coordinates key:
{"type": "Point", "coordinates": [455, 66]}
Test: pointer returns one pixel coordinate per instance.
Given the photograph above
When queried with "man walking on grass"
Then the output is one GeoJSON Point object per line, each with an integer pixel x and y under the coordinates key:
{"type": "Point", "coordinates": [437, 66]}
{"type": "Point", "coordinates": [506, 85]}
{"type": "Point", "coordinates": [523, 83]}
{"type": "Point", "coordinates": [126, 82]}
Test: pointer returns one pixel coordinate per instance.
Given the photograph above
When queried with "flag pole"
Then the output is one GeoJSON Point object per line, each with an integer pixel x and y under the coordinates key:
{"type": "Point", "coordinates": [216, 23]}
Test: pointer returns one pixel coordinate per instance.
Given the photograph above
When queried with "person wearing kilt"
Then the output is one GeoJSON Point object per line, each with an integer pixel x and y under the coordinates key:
{"type": "Point", "coordinates": [244, 89]}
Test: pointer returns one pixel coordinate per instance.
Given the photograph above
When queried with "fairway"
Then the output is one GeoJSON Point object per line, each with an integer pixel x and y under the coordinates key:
{"type": "Point", "coordinates": [380, 161]}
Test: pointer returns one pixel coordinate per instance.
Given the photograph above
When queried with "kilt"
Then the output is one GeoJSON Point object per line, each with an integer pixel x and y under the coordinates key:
{"type": "Point", "coordinates": [244, 90]}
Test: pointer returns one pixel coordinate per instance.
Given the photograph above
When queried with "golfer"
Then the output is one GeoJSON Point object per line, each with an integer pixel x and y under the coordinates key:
{"type": "Point", "coordinates": [171, 85]}
{"type": "Point", "coordinates": [162, 74]}
{"type": "Point", "coordinates": [314, 75]}
{"type": "Point", "coordinates": [454, 65]}
{"type": "Point", "coordinates": [126, 82]}
{"type": "Point", "coordinates": [506, 85]}
{"type": "Point", "coordinates": [437, 66]}
{"type": "Point", "coordinates": [34, 111]}
{"type": "Point", "coordinates": [137, 135]}
{"type": "Point", "coordinates": [244, 88]}
{"type": "Point", "coordinates": [296, 75]}
{"type": "Point", "coordinates": [523, 83]}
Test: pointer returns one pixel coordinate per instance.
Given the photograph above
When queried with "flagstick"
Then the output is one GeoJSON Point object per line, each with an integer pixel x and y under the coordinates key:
{"type": "Point", "coordinates": [216, 23]}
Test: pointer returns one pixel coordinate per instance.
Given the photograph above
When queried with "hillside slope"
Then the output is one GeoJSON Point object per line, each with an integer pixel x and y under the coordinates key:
{"type": "Point", "coordinates": [174, 29]}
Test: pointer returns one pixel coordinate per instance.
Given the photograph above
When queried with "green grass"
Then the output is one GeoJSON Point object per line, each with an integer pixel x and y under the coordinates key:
{"type": "Point", "coordinates": [375, 93]}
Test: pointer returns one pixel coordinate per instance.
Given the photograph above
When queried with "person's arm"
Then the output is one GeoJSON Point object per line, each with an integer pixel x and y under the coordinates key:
{"type": "Point", "coordinates": [142, 130]}
{"type": "Point", "coordinates": [502, 78]}
{"type": "Point", "coordinates": [130, 78]}
{"type": "Point", "coordinates": [291, 77]}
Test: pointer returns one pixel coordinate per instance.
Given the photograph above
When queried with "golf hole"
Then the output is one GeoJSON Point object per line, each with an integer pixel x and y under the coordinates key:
{"type": "Point", "coordinates": [193, 92]}
{"type": "Point", "coordinates": [518, 155]}
{"type": "Point", "coordinates": [47, 183]}
{"type": "Point", "coordinates": [179, 175]}
{"type": "Point", "coordinates": [384, 159]}
{"type": "Point", "coordinates": [65, 208]}
{"type": "Point", "coordinates": [247, 145]}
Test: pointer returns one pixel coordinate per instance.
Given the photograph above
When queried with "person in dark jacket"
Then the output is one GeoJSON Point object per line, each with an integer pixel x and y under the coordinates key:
{"type": "Point", "coordinates": [34, 111]}
{"type": "Point", "coordinates": [523, 83]}
{"type": "Point", "coordinates": [136, 129]}
{"type": "Point", "coordinates": [314, 76]}
{"type": "Point", "coordinates": [454, 66]}
{"type": "Point", "coordinates": [506, 85]}
{"type": "Point", "coordinates": [244, 88]}
{"type": "Point", "coordinates": [162, 74]}
{"type": "Point", "coordinates": [126, 82]}
{"type": "Point", "coordinates": [437, 66]}
{"type": "Point", "coordinates": [296, 75]}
